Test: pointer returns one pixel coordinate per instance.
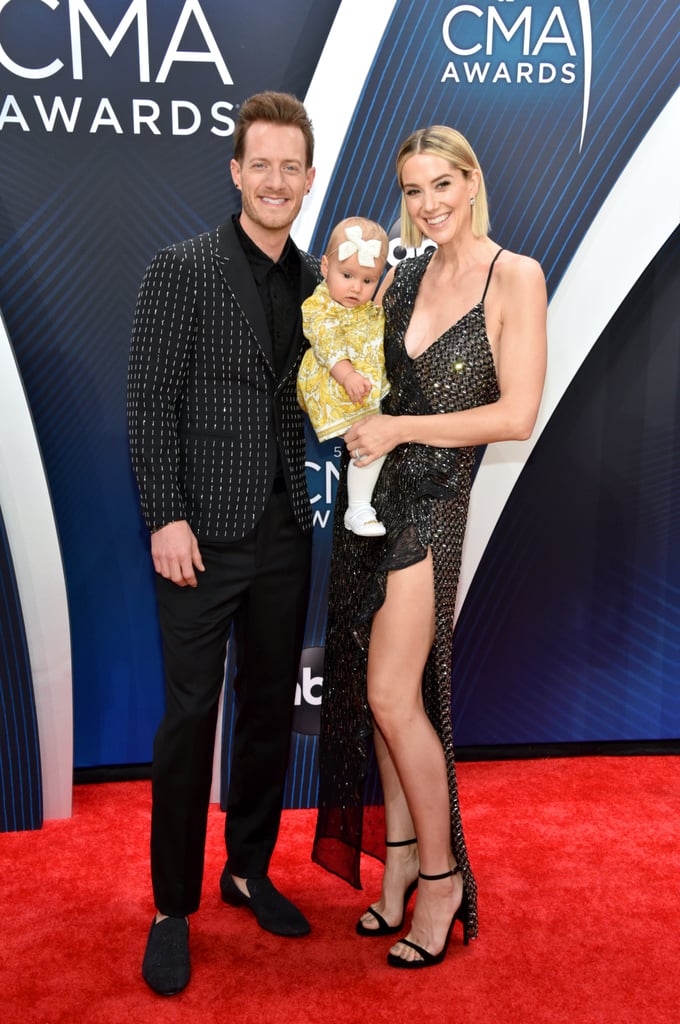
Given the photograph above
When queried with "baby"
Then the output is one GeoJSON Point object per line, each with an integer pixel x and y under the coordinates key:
{"type": "Point", "coordinates": [342, 376]}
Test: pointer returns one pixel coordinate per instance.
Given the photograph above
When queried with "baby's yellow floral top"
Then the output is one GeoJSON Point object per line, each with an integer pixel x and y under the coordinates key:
{"type": "Point", "coordinates": [337, 332]}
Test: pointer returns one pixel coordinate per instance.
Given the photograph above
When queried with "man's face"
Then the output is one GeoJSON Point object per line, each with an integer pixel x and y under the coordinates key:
{"type": "Point", "coordinates": [272, 176]}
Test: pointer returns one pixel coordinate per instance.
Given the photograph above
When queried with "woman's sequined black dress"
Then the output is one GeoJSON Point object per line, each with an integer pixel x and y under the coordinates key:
{"type": "Point", "coordinates": [422, 498]}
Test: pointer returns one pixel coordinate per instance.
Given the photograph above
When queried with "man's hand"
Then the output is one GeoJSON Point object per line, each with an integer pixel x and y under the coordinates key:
{"type": "Point", "coordinates": [175, 553]}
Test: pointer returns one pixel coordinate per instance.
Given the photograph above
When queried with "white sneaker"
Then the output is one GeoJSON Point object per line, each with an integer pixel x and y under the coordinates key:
{"type": "Point", "coordinates": [364, 522]}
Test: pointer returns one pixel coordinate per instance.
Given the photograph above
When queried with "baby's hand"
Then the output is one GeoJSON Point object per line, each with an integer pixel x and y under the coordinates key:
{"type": "Point", "coordinates": [357, 386]}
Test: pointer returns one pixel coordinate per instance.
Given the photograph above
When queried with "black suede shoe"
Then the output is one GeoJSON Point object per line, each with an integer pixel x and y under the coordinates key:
{"type": "Point", "coordinates": [272, 910]}
{"type": "Point", "coordinates": [166, 967]}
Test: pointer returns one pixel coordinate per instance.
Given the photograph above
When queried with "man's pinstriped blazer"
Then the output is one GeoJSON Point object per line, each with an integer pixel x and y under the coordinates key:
{"type": "Point", "coordinates": [206, 410]}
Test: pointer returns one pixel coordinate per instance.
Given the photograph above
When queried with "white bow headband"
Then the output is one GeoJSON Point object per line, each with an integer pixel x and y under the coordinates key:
{"type": "Point", "coordinates": [367, 249]}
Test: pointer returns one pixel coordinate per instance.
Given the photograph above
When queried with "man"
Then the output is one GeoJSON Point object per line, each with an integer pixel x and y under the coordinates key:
{"type": "Point", "coordinates": [217, 444]}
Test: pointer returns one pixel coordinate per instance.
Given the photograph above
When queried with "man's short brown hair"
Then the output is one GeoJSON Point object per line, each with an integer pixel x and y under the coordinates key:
{"type": "Point", "coordinates": [276, 108]}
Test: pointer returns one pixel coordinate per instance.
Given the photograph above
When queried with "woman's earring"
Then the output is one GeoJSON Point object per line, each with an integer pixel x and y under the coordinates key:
{"type": "Point", "coordinates": [472, 200]}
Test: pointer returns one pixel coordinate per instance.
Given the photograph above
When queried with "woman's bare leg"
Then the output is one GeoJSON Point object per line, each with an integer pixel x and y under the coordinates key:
{"type": "Point", "coordinates": [401, 862]}
{"type": "Point", "coordinates": [413, 767]}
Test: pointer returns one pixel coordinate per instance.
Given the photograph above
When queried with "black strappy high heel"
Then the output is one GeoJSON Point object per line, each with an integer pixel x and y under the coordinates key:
{"type": "Point", "coordinates": [430, 959]}
{"type": "Point", "coordinates": [383, 927]}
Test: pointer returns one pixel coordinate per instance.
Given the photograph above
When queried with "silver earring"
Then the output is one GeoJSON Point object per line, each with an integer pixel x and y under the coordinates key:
{"type": "Point", "coordinates": [472, 200]}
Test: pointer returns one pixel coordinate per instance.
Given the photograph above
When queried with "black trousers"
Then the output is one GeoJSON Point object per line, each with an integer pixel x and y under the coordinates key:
{"type": "Point", "coordinates": [260, 585]}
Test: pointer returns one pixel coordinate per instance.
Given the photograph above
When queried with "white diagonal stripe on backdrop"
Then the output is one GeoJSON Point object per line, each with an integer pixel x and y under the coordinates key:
{"type": "Point", "coordinates": [333, 93]}
{"type": "Point", "coordinates": [34, 545]}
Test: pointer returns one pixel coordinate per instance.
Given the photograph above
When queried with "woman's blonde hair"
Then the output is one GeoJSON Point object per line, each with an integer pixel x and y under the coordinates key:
{"type": "Point", "coordinates": [439, 140]}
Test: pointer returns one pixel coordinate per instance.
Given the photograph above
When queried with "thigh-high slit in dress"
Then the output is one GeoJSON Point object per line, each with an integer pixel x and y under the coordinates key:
{"type": "Point", "coordinates": [422, 497]}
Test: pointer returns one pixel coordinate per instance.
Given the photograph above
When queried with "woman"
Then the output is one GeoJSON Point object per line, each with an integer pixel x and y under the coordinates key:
{"type": "Point", "coordinates": [465, 346]}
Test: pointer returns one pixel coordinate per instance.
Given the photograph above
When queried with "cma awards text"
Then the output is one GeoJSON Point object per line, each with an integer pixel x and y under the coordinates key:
{"type": "Point", "coordinates": [82, 48]}
{"type": "Point", "coordinates": [515, 35]}
{"type": "Point", "coordinates": [143, 116]}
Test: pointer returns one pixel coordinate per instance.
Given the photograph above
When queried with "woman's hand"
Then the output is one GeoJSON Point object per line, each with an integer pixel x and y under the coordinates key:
{"type": "Point", "coordinates": [373, 436]}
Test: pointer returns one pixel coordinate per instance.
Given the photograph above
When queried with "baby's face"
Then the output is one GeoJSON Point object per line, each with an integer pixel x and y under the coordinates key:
{"type": "Point", "coordinates": [348, 282]}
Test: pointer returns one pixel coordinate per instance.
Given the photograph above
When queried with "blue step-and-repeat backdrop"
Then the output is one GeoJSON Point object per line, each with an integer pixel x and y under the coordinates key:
{"type": "Point", "coordinates": [116, 119]}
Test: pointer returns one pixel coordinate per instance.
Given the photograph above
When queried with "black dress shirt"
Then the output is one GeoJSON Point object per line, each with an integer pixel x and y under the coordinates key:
{"type": "Point", "coordinates": [278, 285]}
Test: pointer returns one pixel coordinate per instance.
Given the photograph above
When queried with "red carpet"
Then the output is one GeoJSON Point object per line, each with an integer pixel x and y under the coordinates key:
{"type": "Point", "coordinates": [578, 864]}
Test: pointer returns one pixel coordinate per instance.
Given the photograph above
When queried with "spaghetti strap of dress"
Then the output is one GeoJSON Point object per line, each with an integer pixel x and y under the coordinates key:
{"type": "Point", "coordinates": [488, 276]}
